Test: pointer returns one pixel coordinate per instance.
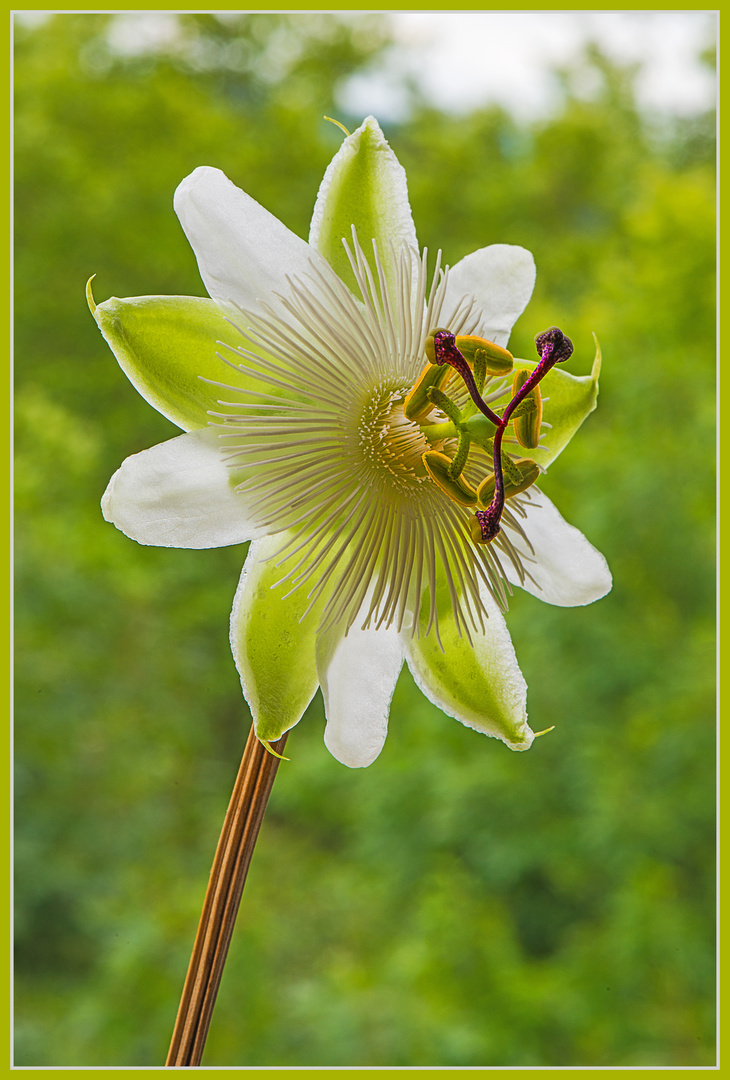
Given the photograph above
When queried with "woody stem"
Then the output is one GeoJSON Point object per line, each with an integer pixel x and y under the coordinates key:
{"type": "Point", "coordinates": [232, 858]}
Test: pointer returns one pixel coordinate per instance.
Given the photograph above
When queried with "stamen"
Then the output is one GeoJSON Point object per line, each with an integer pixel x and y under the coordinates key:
{"type": "Point", "coordinates": [554, 348]}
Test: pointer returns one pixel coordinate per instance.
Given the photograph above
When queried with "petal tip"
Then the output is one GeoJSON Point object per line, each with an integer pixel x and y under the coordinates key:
{"type": "Point", "coordinates": [371, 124]}
{"type": "Point", "coordinates": [353, 755]}
{"type": "Point", "coordinates": [202, 174]}
{"type": "Point", "coordinates": [528, 738]}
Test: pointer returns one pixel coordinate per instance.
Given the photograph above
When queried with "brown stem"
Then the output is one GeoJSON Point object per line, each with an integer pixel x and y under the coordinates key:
{"type": "Point", "coordinates": [220, 907]}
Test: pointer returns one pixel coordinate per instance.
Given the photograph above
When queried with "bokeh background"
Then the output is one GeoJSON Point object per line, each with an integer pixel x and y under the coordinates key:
{"type": "Point", "coordinates": [455, 903]}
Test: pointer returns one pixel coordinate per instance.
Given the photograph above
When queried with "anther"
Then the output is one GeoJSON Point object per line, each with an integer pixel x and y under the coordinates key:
{"type": "Point", "coordinates": [417, 404]}
{"type": "Point", "coordinates": [523, 474]}
{"type": "Point", "coordinates": [440, 468]}
{"type": "Point", "coordinates": [497, 361]}
{"type": "Point", "coordinates": [526, 421]}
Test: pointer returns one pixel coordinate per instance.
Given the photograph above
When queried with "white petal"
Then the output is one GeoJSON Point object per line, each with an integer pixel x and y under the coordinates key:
{"type": "Point", "coordinates": [501, 279]}
{"type": "Point", "coordinates": [358, 674]}
{"type": "Point", "coordinates": [178, 494]}
{"type": "Point", "coordinates": [244, 253]}
{"type": "Point", "coordinates": [568, 571]}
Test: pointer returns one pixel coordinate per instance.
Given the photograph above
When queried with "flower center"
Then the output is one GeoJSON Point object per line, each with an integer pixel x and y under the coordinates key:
{"type": "Point", "coordinates": [334, 446]}
{"type": "Point", "coordinates": [391, 445]}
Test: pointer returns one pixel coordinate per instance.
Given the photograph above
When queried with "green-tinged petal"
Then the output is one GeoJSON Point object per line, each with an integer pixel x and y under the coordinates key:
{"type": "Point", "coordinates": [365, 186]}
{"type": "Point", "coordinates": [273, 650]}
{"type": "Point", "coordinates": [358, 673]}
{"type": "Point", "coordinates": [480, 683]}
{"type": "Point", "coordinates": [164, 344]}
{"type": "Point", "coordinates": [567, 401]}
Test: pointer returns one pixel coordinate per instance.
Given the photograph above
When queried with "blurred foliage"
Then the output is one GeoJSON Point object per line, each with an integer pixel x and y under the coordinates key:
{"type": "Point", "coordinates": [455, 903]}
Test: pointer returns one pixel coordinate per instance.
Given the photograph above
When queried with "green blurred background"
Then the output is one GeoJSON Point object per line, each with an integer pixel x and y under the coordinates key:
{"type": "Point", "coordinates": [455, 903]}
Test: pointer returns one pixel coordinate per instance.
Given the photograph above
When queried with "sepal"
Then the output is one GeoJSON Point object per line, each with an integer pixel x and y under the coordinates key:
{"type": "Point", "coordinates": [273, 645]}
{"type": "Point", "coordinates": [364, 187]}
{"type": "Point", "coordinates": [167, 346]}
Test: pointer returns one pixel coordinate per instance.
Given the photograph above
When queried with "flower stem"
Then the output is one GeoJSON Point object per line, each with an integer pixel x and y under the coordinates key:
{"type": "Point", "coordinates": [220, 907]}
